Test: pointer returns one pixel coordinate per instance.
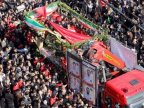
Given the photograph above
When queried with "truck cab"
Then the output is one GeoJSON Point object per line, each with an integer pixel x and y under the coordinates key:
{"type": "Point", "coordinates": [125, 91]}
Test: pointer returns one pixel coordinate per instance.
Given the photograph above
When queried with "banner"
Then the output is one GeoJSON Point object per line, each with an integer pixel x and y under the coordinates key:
{"type": "Point", "coordinates": [74, 83]}
{"type": "Point", "coordinates": [89, 93]}
{"type": "Point", "coordinates": [83, 77]}
{"type": "Point", "coordinates": [74, 67]}
{"type": "Point", "coordinates": [31, 19]}
{"type": "Point", "coordinates": [51, 8]}
{"type": "Point", "coordinates": [88, 73]}
{"type": "Point", "coordinates": [89, 81]}
{"type": "Point", "coordinates": [70, 36]}
{"type": "Point", "coordinates": [126, 54]}
{"type": "Point", "coordinates": [74, 71]}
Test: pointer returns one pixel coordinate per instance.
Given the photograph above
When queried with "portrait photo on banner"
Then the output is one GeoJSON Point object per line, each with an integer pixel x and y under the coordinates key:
{"type": "Point", "coordinates": [75, 82]}
{"type": "Point", "coordinates": [74, 67]}
{"type": "Point", "coordinates": [88, 92]}
{"type": "Point", "coordinates": [88, 74]}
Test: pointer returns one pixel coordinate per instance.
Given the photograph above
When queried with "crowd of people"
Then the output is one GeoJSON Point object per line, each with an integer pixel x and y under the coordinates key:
{"type": "Point", "coordinates": [124, 20]}
{"type": "Point", "coordinates": [28, 80]}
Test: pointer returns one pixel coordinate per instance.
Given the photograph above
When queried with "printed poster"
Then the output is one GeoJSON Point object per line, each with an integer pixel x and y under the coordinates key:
{"type": "Point", "coordinates": [88, 74]}
{"type": "Point", "coordinates": [74, 67]}
{"type": "Point", "coordinates": [75, 83]}
{"type": "Point", "coordinates": [89, 93]}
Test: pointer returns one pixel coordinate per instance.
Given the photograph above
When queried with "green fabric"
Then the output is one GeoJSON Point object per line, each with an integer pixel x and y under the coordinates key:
{"type": "Point", "coordinates": [109, 20]}
{"type": "Point", "coordinates": [36, 25]}
{"type": "Point", "coordinates": [33, 22]}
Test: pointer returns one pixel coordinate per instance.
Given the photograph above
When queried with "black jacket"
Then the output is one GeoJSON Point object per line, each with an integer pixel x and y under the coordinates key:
{"type": "Point", "coordinates": [9, 99]}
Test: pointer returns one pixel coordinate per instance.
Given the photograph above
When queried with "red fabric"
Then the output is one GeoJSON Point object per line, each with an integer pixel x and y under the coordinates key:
{"type": "Point", "coordinates": [85, 25]}
{"type": "Point", "coordinates": [63, 62]}
{"type": "Point", "coordinates": [55, 15]}
{"type": "Point", "coordinates": [41, 11]}
{"type": "Point", "coordinates": [35, 62]}
{"type": "Point", "coordinates": [50, 92]}
{"type": "Point", "coordinates": [70, 36]}
{"type": "Point", "coordinates": [41, 59]}
{"type": "Point", "coordinates": [42, 68]}
{"type": "Point", "coordinates": [59, 19]}
{"type": "Point", "coordinates": [72, 28]}
{"type": "Point", "coordinates": [16, 87]}
{"type": "Point", "coordinates": [11, 26]}
{"type": "Point", "coordinates": [102, 3]}
{"type": "Point", "coordinates": [46, 72]}
{"type": "Point", "coordinates": [58, 84]}
{"type": "Point", "coordinates": [20, 83]}
{"type": "Point", "coordinates": [52, 101]}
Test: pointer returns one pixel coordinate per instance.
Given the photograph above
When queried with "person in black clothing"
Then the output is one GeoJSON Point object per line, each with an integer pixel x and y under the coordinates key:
{"type": "Point", "coordinates": [9, 99]}
{"type": "Point", "coordinates": [2, 98]}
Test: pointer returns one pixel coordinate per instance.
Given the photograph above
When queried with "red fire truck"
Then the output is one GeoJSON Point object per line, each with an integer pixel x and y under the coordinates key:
{"type": "Point", "coordinates": [120, 88]}
{"type": "Point", "coordinates": [124, 89]}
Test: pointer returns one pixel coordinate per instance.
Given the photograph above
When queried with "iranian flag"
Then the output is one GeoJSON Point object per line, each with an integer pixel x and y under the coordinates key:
{"type": "Point", "coordinates": [34, 24]}
{"type": "Point", "coordinates": [41, 11]}
{"type": "Point", "coordinates": [51, 8]}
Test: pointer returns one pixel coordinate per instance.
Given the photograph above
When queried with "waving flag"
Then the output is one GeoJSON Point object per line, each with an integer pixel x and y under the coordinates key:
{"type": "Point", "coordinates": [34, 24]}
{"type": "Point", "coordinates": [41, 11]}
{"type": "Point", "coordinates": [70, 36]}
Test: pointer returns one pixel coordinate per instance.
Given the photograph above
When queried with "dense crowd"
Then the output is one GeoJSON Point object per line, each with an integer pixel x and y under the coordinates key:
{"type": "Point", "coordinates": [122, 18]}
{"type": "Point", "coordinates": [28, 79]}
